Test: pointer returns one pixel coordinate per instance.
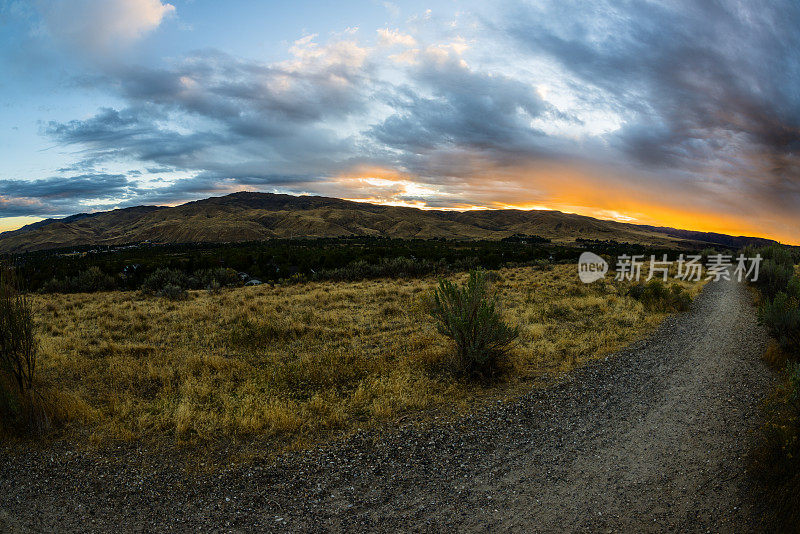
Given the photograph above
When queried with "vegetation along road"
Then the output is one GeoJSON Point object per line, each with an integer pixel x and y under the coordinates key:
{"type": "Point", "coordinates": [651, 439]}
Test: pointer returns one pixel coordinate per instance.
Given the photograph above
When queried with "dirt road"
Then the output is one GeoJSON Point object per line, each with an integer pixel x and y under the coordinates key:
{"type": "Point", "coordinates": [651, 439]}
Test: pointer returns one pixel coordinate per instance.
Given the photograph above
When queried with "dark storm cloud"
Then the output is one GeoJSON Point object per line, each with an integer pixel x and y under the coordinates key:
{"type": "Point", "coordinates": [83, 186]}
{"type": "Point", "coordinates": [108, 126]}
{"type": "Point", "coordinates": [451, 115]}
{"type": "Point", "coordinates": [134, 133]}
{"type": "Point", "coordinates": [60, 195]}
{"type": "Point", "coordinates": [19, 207]}
{"type": "Point", "coordinates": [692, 77]}
{"type": "Point", "coordinates": [205, 182]}
{"type": "Point", "coordinates": [251, 120]}
{"type": "Point", "coordinates": [699, 95]}
{"type": "Point", "coordinates": [467, 109]}
{"type": "Point", "coordinates": [240, 121]}
{"type": "Point", "coordinates": [219, 86]}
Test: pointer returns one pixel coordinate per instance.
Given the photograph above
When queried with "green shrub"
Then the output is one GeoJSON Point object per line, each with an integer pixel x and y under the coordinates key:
{"type": "Point", "coordinates": [793, 374]}
{"type": "Point", "coordinates": [775, 461]}
{"type": "Point", "coordinates": [706, 253]}
{"type": "Point", "coordinates": [793, 288]}
{"type": "Point", "coordinates": [297, 278]}
{"type": "Point", "coordinates": [681, 300]}
{"type": "Point", "coordinates": [777, 254]}
{"type": "Point", "coordinates": [92, 279]}
{"type": "Point", "coordinates": [172, 292]}
{"type": "Point", "coordinates": [656, 296]}
{"type": "Point", "coordinates": [214, 287]}
{"type": "Point", "coordinates": [88, 281]}
{"type": "Point", "coordinates": [162, 278]}
{"type": "Point", "coordinates": [774, 277]}
{"type": "Point", "coordinates": [18, 347]}
{"type": "Point", "coordinates": [53, 285]}
{"type": "Point", "coordinates": [400, 267]}
{"type": "Point", "coordinates": [217, 277]}
{"type": "Point", "coordinates": [781, 316]}
{"type": "Point", "coordinates": [468, 315]}
{"type": "Point", "coordinates": [19, 401]}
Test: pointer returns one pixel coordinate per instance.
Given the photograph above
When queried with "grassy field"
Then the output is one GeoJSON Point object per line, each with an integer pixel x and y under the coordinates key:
{"type": "Point", "coordinates": [294, 363]}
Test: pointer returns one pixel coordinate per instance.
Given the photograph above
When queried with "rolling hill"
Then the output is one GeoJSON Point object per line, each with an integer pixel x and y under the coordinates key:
{"type": "Point", "coordinates": [257, 216]}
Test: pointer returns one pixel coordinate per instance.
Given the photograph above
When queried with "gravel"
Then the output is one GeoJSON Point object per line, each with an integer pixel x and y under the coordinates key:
{"type": "Point", "coordinates": [651, 439]}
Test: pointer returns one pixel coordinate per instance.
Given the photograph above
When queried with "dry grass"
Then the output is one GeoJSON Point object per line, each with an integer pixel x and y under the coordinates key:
{"type": "Point", "coordinates": [294, 363]}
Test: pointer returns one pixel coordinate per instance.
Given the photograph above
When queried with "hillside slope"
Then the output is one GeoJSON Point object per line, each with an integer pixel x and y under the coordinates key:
{"type": "Point", "coordinates": [257, 216]}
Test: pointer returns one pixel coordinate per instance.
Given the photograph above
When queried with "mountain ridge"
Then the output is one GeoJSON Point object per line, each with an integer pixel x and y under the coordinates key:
{"type": "Point", "coordinates": [251, 216]}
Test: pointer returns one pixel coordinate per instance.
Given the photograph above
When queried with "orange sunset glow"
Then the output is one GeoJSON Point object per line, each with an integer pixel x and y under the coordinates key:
{"type": "Point", "coordinates": [565, 189]}
{"type": "Point", "coordinates": [469, 108]}
{"type": "Point", "coordinates": [399, 266]}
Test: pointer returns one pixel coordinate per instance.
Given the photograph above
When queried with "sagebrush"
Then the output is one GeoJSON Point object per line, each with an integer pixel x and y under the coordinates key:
{"type": "Point", "coordinates": [656, 296]}
{"type": "Point", "coordinates": [20, 402]}
{"type": "Point", "coordinates": [776, 460]}
{"type": "Point", "coordinates": [468, 315]}
{"type": "Point", "coordinates": [781, 316]}
{"type": "Point", "coordinates": [18, 348]}
{"type": "Point", "coordinates": [296, 362]}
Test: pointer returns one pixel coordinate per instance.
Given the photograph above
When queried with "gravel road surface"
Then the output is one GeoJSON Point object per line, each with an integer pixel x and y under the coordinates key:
{"type": "Point", "coordinates": [651, 439]}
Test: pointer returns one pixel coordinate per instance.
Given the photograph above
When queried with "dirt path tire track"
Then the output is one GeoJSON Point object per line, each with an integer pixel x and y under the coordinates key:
{"type": "Point", "coordinates": [652, 439]}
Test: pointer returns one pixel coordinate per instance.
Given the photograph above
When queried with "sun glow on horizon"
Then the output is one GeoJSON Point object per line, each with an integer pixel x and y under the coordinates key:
{"type": "Point", "coordinates": [679, 221]}
{"type": "Point", "coordinates": [570, 189]}
{"type": "Point", "coordinates": [390, 188]}
{"type": "Point", "coordinates": [15, 223]}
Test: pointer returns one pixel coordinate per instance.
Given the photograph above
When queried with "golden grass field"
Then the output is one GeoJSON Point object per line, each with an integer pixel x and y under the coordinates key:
{"type": "Point", "coordinates": [294, 363]}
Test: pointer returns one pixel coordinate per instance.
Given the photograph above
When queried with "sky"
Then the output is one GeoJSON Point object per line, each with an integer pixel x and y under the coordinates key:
{"type": "Point", "coordinates": [674, 113]}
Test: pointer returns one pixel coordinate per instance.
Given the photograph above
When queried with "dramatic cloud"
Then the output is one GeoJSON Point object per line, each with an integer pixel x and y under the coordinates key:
{"type": "Point", "coordinates": [76, 187]}
{"type": "Point", "coordinates": [466, 109]}
{"type": "Point", "coordinates": [680, 113]}
{"type": "Point", "coordinates": [705, 87]}
{"type": "Point", "coordinates": [247, 121]}
{"type": "Point", "coordinates": [52, 195]}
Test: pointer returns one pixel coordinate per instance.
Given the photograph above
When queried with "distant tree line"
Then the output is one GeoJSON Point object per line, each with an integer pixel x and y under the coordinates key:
{"type": "Point", "coordinates": [150, 267]}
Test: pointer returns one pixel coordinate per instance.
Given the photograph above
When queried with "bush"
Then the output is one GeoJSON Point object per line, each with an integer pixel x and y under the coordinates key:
{"type": "Point", "coordinates": [706, 253]}
{"type": "Point", "coordinates": [9, 406]}
{"type": "Point", "coordinates": [658, 297]}
{"type": "Point", "coordinates": [781, 316]}
{"type": "Point", "coordinates": [297, 278]}
{"type": "Point", "coordinates": [172, 292]}
{"type": "Point", "coordinates": [19, 401]}
{"type": "Point", "coordinates": [166, 278]}
{"type": "Point", "coordinates": [774, 277]}
{"type": "Point", "coordinates": [54, 285]}
{"type": "Point", "coordinates": [793, 373]}
{"type": "Point", "coordinates": [468, 315]}
{"type": "Point", "coordinates": [793, 288]}
{"type": "Point", "coordinates": [775, 462]}
{"type": "Point", "coordinates": [90, 280]}
{"type": "Point", "coordinates": [216, 278]}
{"type": "Point", "coordinates": [400, 267]}
{"type": "Point", "coordinates": [18, 348]}
{"type": "Point", "coordinates": [777, 254]}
